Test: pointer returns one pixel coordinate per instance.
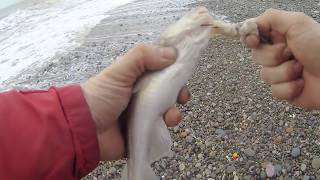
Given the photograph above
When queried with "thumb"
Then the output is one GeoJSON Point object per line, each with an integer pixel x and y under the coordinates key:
{"type": "Point", "coordinates": [282, 22]}
{"type": "Point", "coordinates": [142, 58]}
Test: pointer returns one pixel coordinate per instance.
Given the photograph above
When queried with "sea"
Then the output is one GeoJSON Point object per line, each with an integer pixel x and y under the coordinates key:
{"type": "Point", "coordinates": [34, 31]}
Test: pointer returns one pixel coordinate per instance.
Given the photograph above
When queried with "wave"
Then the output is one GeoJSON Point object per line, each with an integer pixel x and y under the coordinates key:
{"type": "Point", "coordinates": [36, 33]}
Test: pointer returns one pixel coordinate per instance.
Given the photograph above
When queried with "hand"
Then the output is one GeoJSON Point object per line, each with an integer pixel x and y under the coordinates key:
{"type": "Point", "coordinates": [291, 60]}
{"type": "Point", "coordinates": [109, 93]}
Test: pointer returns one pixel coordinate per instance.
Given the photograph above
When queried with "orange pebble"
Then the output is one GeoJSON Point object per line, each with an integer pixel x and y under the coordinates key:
{"type": "Point", "coordinates": [235, 156]}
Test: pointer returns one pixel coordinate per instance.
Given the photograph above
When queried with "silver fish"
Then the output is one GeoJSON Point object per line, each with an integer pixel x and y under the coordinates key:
{"type": "Point", "coordinates": [148, 136]}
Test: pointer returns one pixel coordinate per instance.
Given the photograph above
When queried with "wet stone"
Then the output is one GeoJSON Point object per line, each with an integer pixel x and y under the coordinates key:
{"type": "Point", "coordinates": [230, 169]}
{"type": "Point", "coordinates": [295, 152]}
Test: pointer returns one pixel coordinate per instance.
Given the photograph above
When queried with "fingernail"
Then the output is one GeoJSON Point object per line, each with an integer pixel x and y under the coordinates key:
{"type": "Point", "coordinates": [297, 67]}
{"type": "Point", "coordinates": [168, 53]}
{"type": "Point", "coordinates": [287, 54]}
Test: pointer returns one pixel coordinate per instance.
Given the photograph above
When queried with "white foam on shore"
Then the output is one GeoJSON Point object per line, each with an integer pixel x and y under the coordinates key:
{"type": "Point", "coordinates": [7, 3]}
{"type": "Point", "coordinates": [36, 33]}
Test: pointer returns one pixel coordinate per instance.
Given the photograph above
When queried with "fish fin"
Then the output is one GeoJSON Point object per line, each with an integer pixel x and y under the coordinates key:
{"type": "Point", "coordinates": [160, 141]}
{"type": "Point", "coordinates": [159, 146]}
{"type": "Point", "coordinates": [148, 173]}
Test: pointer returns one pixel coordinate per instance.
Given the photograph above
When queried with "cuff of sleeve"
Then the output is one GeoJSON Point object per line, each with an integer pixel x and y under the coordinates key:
{"type": "Point", "coordinates": [82, 127]}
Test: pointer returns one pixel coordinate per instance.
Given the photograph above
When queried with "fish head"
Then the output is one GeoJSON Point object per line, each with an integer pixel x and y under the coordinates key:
{"type": "Point", "coordinates": [190, 25]}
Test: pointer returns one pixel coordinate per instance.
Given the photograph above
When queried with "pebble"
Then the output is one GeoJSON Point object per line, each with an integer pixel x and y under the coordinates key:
{"type": "Point", "coordinates": [176, 129]}
{"type": "Point", "coordinates": [235, 177]}
{"type": "Point", "coordinates": [198, 164]}
{"type": "Point", "coordinates": [281, 123]}
{"type": "Point", "coordinates": [112, 170]}
{"type": "Point", "coordinates": [278, 169]}
{"type": "Point", "coordinates": [189, 139]}
{"type": "Point", "coordinates": [188, 131]}
{"type": "Point", "coordinates": [183, 134]}
{"type": "Point", "coordinates": [278, 139]}
{"type": "Point", "coordinates": [270, 170]}
{"type": "Point", "coordinates": [284, 171]}
{"type": "Point", "coordinates": [289, 130]}
{"type": "Point", "coordinates": [264, 164]}
{"type": "Point", "coordinates": [182, 167]}
{"type": "Point", "coordinates": [207, 143]}
{"type": "Point", "coordinates": [220, 132]}
{"type": "Point", "coordinates": [249, 152]}
{"type": "Point", "coordinates": [175, 144]}
{"type": "Point", "coordinates": [212, 154]}
{"type": "Point", "coordinates": [316, 163]}
{"type": "Point", "coordinates": [303, 167]}
{"type": "Point", "coordinates": [230, 169]}
{"type": "Point", "coordinates": [263, 175]}
{"type": "Point", "coordinates": [215, 124]}
{"type": "Point", "coordinates": [305, 177]}
{"type": "Point", "coordinates": [200, 156]}
{"type": "Point", "coordinates": [207, 171]}
{"type": "Point", "coordinates": [288, 167]}
{"type": "Point", "coordinates": [295, 152]}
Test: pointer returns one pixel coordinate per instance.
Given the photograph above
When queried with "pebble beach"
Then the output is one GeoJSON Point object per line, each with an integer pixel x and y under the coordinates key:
{"type": "Point", "coordinates": [232, 127]}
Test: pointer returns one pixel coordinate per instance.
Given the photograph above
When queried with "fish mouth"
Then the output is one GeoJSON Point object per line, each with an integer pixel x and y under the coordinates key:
{"type": "Point", "coordinates": [207, 25]}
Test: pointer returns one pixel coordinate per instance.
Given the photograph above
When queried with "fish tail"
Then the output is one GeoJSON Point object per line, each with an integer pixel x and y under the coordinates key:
{"type": "Point", "coordinates": [160, 142]}
{"type": "Point", "coordinates": [138, 167]}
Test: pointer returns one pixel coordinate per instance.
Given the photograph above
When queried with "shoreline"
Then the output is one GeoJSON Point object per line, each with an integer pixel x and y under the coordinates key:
{"type": "Point", "coordinates": [125, 26]}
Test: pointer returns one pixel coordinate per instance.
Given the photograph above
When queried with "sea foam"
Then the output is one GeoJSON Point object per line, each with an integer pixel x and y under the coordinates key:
{"type": "Point", "coordinates": [34, 34]}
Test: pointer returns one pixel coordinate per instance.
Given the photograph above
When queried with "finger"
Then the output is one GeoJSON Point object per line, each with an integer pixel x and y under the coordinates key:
{"type": "Point", "coordinates": [114, 147]}
{"type": "Point", "coordinates": [280, 21]}
{"type": "Point", "coordinates": [285, 72]}
{"type": "Point", "coordinates": [269, 55]}
{"type": "Point", "coordinates": [263, 27]}
{"type": "Point", "coordinates": [277, 37]}
{"type": "Point", "coordinates": [288, 90]}
{"type": "Point", "coordinates": [138, 60]}
{"type": "Point", "coordinates": [184, 96]}
{"type": "Point", "coordinates": [173, 117]}
{"type": "Point", "coordinates": [252, 41]}
{"type": "Point", "coordinates": [149, 57]}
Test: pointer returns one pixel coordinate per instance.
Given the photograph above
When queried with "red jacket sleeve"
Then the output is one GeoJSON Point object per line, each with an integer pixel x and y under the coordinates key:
{"type": "Point", "coordinates": [46, 135]}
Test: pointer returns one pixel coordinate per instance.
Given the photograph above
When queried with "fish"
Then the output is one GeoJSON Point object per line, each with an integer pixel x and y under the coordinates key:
{"type": "Point", "coordinates": [147, 134]}
{"type": "Point", "coordinates": [234, 30]}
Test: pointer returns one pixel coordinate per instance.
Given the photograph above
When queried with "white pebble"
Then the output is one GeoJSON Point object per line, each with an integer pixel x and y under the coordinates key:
{"type": "Point", "coordinates": [182, 167]}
